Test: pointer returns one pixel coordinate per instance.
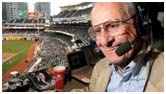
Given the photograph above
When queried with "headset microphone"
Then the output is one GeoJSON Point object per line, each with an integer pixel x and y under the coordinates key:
{"type": "Point", "coordinates": [123, 48]}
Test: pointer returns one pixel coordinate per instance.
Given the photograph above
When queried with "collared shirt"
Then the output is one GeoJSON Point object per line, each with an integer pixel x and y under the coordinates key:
{"type": "Point", "coordinates": [133, 78]}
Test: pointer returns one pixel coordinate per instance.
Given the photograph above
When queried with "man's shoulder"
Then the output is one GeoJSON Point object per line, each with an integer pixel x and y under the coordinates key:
{"type": "Point", "coordinates": [102, 64]}
{"type": "Point", "coordinates": [158, 58]}
{"type": "Point", "coordinates": [156, 78]}
{"type": "Point", "coordinates": [157, 55]}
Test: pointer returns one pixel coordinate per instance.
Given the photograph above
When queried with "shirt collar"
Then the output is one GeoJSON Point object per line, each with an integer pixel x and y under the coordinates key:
{"type": "Point", "coordinates": [130, 67]}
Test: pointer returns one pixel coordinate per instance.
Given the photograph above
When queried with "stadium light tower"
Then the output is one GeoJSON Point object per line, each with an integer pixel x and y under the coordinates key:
{"type": "Point", "coordinates": [38, 22]}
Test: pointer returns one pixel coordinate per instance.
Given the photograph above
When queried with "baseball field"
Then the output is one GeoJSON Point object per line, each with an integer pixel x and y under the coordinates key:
{"type": "Point", "coordinates": [13, 51]}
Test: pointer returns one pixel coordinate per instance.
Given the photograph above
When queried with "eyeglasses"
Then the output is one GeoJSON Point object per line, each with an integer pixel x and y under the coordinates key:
{"type": "Point", "coordinates": [108, 26]}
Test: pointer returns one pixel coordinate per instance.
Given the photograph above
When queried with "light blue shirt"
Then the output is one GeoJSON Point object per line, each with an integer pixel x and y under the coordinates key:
{"type": "Point", "coordinates": [133, 78]}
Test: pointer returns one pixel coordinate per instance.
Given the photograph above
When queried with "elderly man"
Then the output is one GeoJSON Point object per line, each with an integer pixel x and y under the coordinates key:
{"type": "Point", "coordinates": [130, 63]}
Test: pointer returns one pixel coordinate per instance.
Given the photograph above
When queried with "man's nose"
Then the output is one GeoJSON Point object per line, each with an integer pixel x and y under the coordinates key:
{"type": "Point", "coordinates": [106, 39]}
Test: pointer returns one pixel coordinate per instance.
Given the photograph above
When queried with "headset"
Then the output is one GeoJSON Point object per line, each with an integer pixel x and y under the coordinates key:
{"type": "Point", "coordinates": [143, 22]}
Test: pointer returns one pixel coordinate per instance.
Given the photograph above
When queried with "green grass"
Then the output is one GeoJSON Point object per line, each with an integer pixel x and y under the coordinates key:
{"type": "Point", "coordinates": [20, 47]}
{"type": "Point", "coordinates": [14, 46]}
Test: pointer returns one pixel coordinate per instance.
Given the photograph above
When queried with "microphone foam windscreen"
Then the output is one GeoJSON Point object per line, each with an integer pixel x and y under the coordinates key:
{"type": "Point", "coordinates": [123, 48]}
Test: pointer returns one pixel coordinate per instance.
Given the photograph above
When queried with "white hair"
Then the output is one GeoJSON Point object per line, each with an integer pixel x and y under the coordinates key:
{"type": "Point", "coordinates": [130, 8]}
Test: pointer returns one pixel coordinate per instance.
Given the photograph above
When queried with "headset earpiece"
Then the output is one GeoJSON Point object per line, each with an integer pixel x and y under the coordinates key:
{"type": "Point", "coordinates": [139, 21]}
{"type": "Point", "coordinates": [143, 22]}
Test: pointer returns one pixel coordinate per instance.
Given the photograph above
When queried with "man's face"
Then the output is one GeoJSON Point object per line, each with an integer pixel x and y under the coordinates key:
{"type": "Point", "coordinates": [111, 32]}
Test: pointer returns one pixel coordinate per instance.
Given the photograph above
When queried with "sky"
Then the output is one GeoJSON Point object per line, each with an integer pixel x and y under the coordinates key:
{"type": "Point", "coordinates": [54, 6]}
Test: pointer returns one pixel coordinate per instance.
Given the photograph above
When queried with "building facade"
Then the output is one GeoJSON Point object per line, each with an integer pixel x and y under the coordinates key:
{"type": "Point", "coordinates": [43, 8]}
{"type": "Point", "coordinates": [11, 10]}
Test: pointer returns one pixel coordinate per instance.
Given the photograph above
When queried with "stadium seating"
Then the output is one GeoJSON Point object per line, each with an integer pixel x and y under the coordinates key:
{"type": "Point", "coordinates": [74, 13]}
{"type": "Point", "coordinates": [52, 53]}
